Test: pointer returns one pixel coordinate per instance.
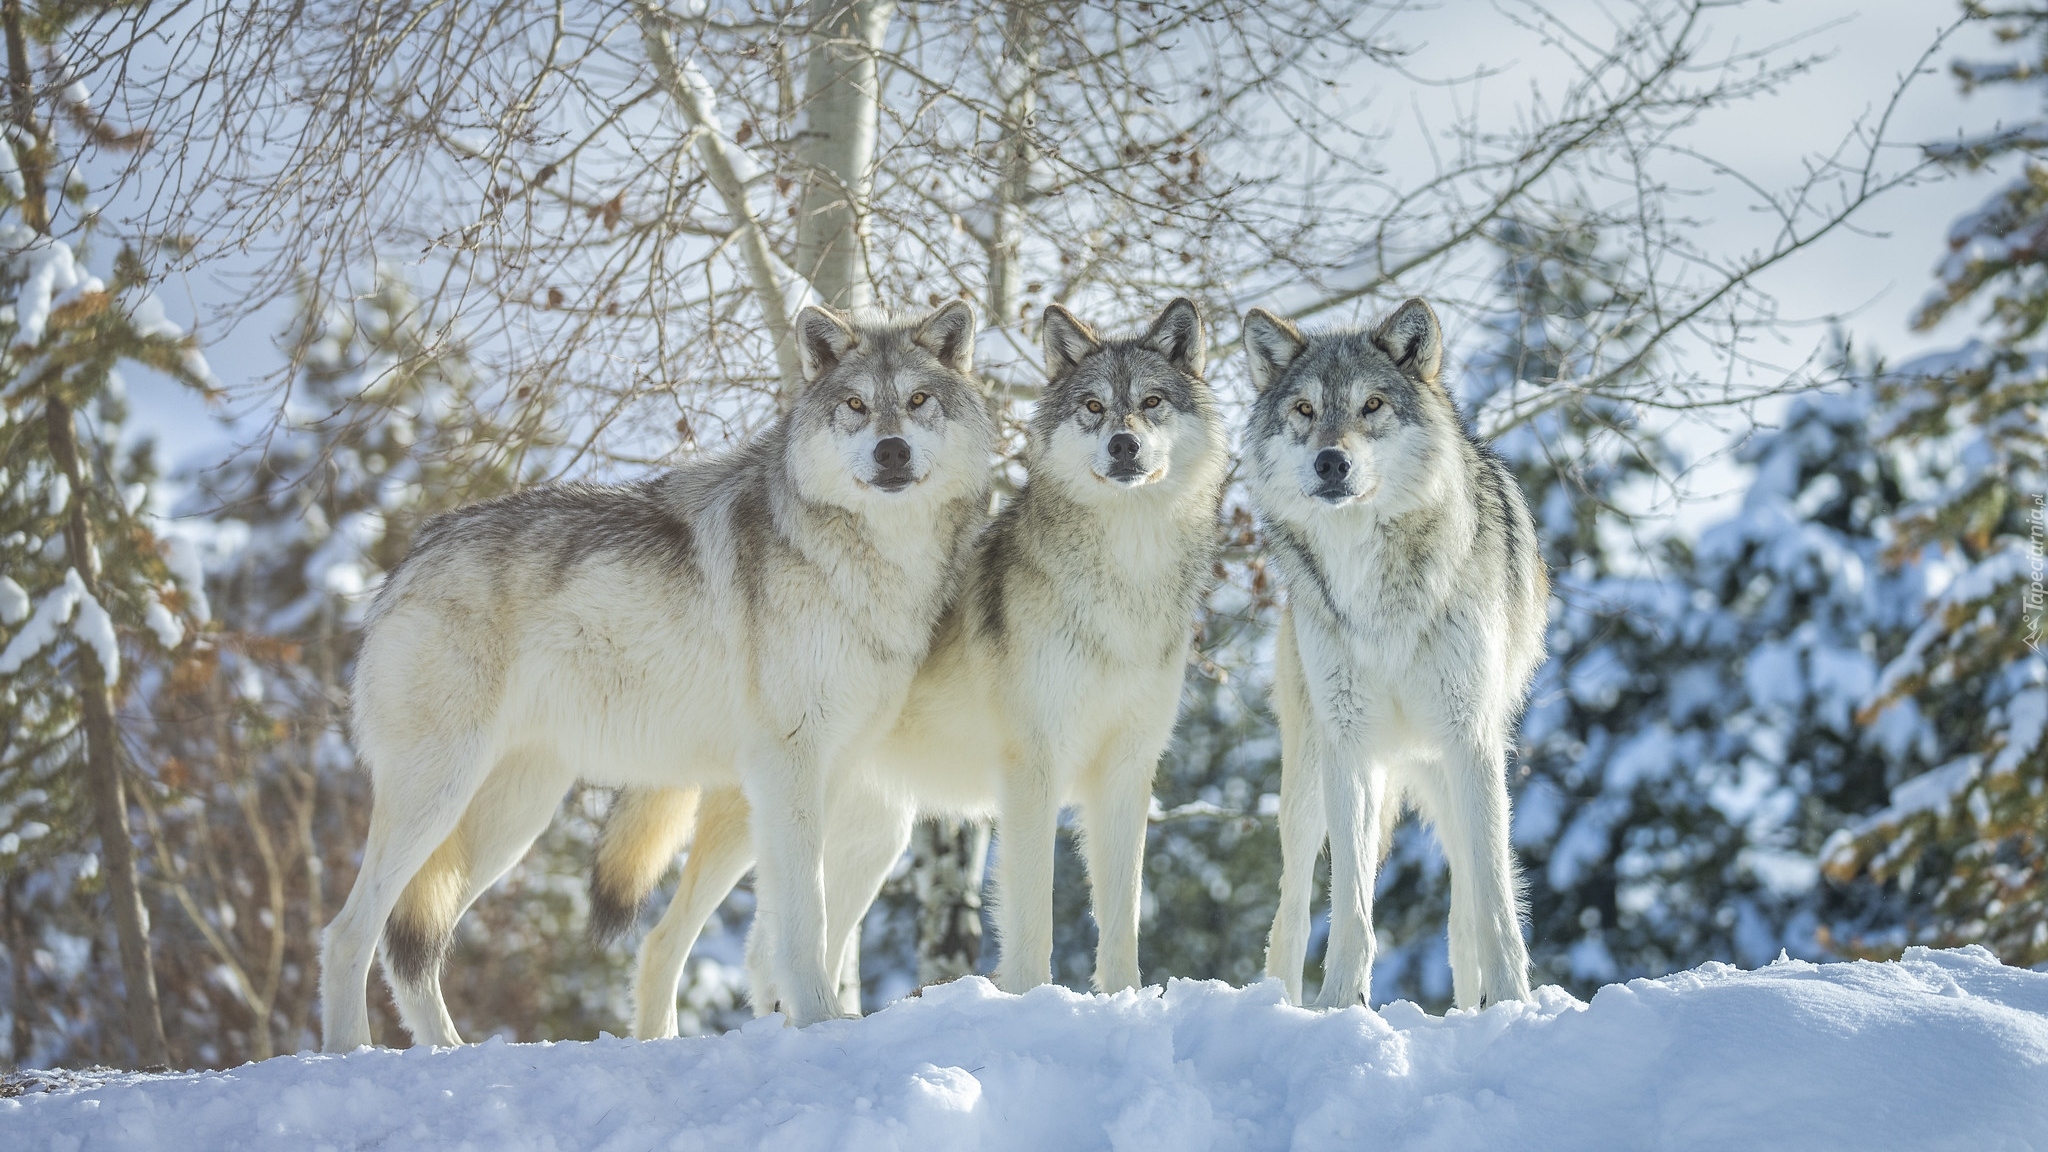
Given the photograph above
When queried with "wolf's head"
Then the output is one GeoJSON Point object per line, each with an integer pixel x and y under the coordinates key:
{"type": "Point", "coordinates": [1123, 414]}
{"type": "Point", "coordinates": [1348, 418]}
{"type": "Point", "coordinates": [889, 411]}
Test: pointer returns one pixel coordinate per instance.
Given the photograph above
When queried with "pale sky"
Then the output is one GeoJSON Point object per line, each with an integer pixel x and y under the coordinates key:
{"type": "Point", "coordinates": [1873, 278]}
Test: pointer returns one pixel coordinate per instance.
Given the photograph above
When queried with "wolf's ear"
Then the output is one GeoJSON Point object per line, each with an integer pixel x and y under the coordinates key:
{"type": "Point", "coordinates": [1412, 337]}
{"type": "Point", "coordinates": [823, 338]}
{"type": "Point", "coordinates": [1067, 341]}
{"type": "Point", "coordinates": [1180, 336]}
{"type": "Point", "coordinates": [1270, 344]}
{"type": "Point", "coordinates": [949, 335]}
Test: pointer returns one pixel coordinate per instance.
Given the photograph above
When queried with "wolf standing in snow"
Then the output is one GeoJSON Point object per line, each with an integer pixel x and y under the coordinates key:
{"type": "Point", "coordinates": [1055, 679]}
{"type": "Point", "coordinates": [1415, 617]}
{"type": "Point", "coordinates": [751, 618]}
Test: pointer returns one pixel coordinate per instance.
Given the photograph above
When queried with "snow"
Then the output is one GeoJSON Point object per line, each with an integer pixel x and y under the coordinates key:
{"type": "Point", "coordinates": [14, 602]}
{"type": "Point", "coordinates": [49, 274]}
{"type": "Point", "coordinates": [96, 629]}
{"type": "Point", "coordinates": [51, 615]}
{"type": "Point", "coordinates": [163, 622]}
{"type": "Point", "coordinates": [1938, 1050]}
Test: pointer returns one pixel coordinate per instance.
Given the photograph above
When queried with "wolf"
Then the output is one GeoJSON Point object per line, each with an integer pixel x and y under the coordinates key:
{"type": "Point", "coordinates": [750, 619]}
{"type": "Point", "coordinates": [1056, 677]}
{"type": "Point", "coordinates": [1415, 615]}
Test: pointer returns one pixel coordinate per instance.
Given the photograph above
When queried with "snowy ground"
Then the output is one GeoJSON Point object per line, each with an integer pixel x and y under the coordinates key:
{"type": "Point", "coordinates": [1939, 1050]}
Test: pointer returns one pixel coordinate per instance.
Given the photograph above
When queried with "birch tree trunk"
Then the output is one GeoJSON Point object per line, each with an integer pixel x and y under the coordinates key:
{"type": "Point", "coordinates": [1017, 85]}
{"type": "Point", "coordinates": [842, 109]}
{"type": "Point", "coordinates": [946, 876]}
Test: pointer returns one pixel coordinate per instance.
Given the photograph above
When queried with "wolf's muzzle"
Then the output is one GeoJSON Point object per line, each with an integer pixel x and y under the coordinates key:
{"type": "Point", "coordinates": [1123, 456]}
{"type": "Point", "coordinates": [1333, 475]}
{"type": "Point", "coordinates": [892, 464]}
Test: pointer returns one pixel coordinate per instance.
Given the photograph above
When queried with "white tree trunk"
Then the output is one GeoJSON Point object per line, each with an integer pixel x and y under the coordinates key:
{"type": "Point", "coordinates": [946, 875]}
{"type": "Point", "coordinates": [1017, 85]}
{"type": "Point", "coordinates": [842, 109]}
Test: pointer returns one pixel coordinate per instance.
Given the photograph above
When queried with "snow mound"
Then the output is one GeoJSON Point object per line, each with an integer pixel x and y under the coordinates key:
{"type": "Point", "coordinates": [1938, 1050]}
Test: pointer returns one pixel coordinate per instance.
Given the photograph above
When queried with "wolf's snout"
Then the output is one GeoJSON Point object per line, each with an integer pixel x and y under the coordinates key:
{"type": "Point", "coordinates": [892, 463]}
{"type": "Point", "coordinates": [1123, 449]}
{"type": "Point", "coordinates": [1333, 476]}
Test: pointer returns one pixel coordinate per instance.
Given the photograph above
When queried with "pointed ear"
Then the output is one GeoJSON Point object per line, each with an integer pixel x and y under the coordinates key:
{"type": "Point", "coordinates": [823, 338]}
{"type": "Point", "coordinates": [949, 335]}
{"type": "Point", "coordinates": [1067, 341]}
{"type": "Point", "coordinates": [1412, 337]}
{"type": "Point", "coordinates": [1270, 344]}
{"type": "Point", "coordinates": [1180, 336]}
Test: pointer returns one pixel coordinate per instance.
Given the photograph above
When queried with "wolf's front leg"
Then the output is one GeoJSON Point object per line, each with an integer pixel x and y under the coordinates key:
{"type": "Point", "coordinates": [869, 833]}
{"type": "Point", "coordinates": [1486, 923]}
{"type": "Point", "coordinates": [1354, 794]}
{"type": "Point", "coordinates": [1027, 830]}
{"type": "Point", "coordinates": [785, 787]}
{"type": "Point", "coordinates": [1113, 837]}
{"type": "Point", "coordinates": [1301, 816]}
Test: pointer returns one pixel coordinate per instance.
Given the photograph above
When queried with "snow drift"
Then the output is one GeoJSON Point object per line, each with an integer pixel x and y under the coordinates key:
{"type": "Point", "coordinates": [1938, 1050]}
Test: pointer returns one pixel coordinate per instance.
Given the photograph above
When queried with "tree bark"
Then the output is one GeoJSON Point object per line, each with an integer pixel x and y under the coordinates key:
{"type": "Point", "coordinates": [18, 951]}
{"type": "Point", "coordinates": [1017, 84]}
{"type": "Point", "coordinates": [103, 765]}
{"type": "Point", "coordinates": [768, 276]}
{"type": "Point", "coordinates": [842, 110]}
{"type": "Point", "coordinates": [947, 875]}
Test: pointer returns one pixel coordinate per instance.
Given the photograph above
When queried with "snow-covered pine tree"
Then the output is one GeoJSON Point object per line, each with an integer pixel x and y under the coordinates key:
{"type": "Point", "coordinates": [84, 568]}
{"type": "Point", "coordinates": [1965, 835]}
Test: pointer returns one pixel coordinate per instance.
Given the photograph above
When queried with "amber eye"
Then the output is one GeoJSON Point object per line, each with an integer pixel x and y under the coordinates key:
{"type": "Point", "coordinates": [854, 402]}
{"type": "Point", "coordinates": [1151, 401]}
{"type": "Point", "coordinates": [917, 399]}
{"type": "Point", "coordinates": [1095, 406]}
{"type": "Point", "coordinates": [1305, 408]}
{"type": "Point", "coordinates": [1374, 404]}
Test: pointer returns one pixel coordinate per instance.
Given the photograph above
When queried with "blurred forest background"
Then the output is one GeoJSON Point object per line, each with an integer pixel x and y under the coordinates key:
{"type": "Point", "coordinates": [500, 244]}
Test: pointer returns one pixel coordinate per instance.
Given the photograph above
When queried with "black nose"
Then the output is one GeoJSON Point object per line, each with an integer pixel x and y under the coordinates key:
{"type": "Point", "coordinates": [1123, 448]}
{"type": "Point", "coordinates": [1332, 464]}
{"type": "Point", "coordinates": [892, 454]}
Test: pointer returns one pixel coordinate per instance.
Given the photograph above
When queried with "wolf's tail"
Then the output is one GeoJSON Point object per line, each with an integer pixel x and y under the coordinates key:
{"type": "Point", "coordinates": [642, 834]}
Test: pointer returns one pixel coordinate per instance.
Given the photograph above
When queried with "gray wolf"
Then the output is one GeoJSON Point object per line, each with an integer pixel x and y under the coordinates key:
{"type": "Point", "coordinates": [1055, 678]}
{"type": "Point", "coordinates": [750, 619]}
{"type": "Point", "coordinates": [1416, 606]}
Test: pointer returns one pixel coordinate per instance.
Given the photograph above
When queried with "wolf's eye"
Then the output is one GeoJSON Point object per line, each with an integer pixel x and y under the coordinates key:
{"type": "Point", "coordinates": [917, 399]}
{"type": "Point", "coordinates": [854, 402]}
{"type": "Point", "coordinates": [1151, 401]}
{"type": "Point", "coordinates": [1373, 405]}
{"type": "Point", "coordinates": [1094, 406]}
{"type": "Point", "coordinates": [1305, 408]}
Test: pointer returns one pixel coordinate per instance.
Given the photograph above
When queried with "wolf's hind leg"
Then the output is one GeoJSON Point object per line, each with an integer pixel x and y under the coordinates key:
{"type": "Point", "coordinates": [720, 854]}
{"type": "Point", "coordinates": [502, 821]}
{"type": "Point", "coordinates": [414, 807]}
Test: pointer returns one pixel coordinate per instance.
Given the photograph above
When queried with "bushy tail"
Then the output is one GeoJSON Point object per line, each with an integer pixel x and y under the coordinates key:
{"type": "Point", "coordinates": [417, 935]}
{"type": "Point", "coordinates": [642, 834]}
